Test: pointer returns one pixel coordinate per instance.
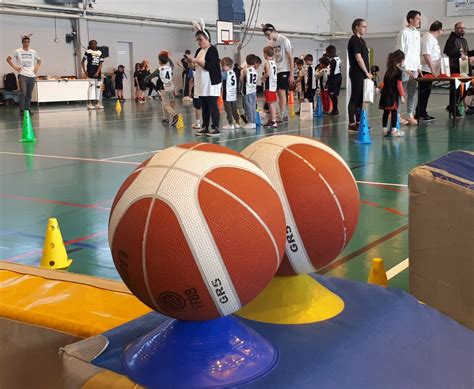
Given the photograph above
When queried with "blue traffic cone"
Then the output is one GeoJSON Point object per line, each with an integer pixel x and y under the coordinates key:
{"type": "Point", "coordinates": [318, 112]}
{"type": "Point", "coordinates": [363, 136]}
{"type": "Point", "coordinates": [258, 122]}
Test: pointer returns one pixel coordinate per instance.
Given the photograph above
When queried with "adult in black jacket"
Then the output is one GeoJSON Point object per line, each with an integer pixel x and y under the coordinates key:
{"type": "Point", "coordinates": [207, 82]}
{"type": "Point", "coordinates": [456, 48]}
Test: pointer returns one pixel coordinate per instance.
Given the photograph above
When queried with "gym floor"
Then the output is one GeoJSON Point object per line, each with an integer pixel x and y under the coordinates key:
{"type": "Point", "coordinates": [82, 158]}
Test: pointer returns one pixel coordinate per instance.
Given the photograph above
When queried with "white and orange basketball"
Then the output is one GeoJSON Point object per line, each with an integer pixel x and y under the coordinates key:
{"type": "Point", "coordinates": [319, 197]}
{"type": "Point", "coordinates": [197, 231]}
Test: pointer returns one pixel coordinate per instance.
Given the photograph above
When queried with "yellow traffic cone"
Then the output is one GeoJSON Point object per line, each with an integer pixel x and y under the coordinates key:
{"type": "Point", "coordinates": [54, 251]}
{"type": "Point", "coordinates": [377, 275]}
{"type": "Point", "coordinates": [180, 125]}
{"type": "Point", "coordinates": [118, 106]}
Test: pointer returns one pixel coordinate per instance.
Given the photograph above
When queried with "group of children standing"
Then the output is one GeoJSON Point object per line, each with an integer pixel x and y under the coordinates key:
{"type": "Point", "coordinates": [324, 78]}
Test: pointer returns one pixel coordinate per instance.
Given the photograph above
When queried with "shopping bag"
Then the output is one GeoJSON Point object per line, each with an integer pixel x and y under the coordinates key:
{"type": "Point", "coordinates": [445, 66]}
{"type": "Point", "coordinates": [306, 111]}
{"type": "Point", "coordinates": [369, 90]}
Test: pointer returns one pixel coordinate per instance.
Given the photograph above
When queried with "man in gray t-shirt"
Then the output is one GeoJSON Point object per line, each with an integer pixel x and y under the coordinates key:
{"type": "Point", "coordinates": [283, 56]}
{"type": "Point", "coordinates": [26, 62]}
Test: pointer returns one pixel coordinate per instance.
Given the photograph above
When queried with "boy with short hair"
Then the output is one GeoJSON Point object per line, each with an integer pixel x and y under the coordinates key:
{"type": "Point", "coordinates": [323, 75]}
{"type": "Point", "coordinates": [270, 80]}
{"type": "Point", "coordinates": [310, 80]}
{"type": "Point", "coordinates": [249, 81]}
{"type": "Point", "coordinates": [165, 88]}
{"type": "Point", "coordinates": [229, 89]}
{"type": "Point", "coordinates": [335, 78]}
{"type": "Point", "coordinates": [119, 76]}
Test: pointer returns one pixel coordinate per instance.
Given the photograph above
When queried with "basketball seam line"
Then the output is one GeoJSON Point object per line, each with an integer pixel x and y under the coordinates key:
{"type": "Point", "coordinates": [333, 194]}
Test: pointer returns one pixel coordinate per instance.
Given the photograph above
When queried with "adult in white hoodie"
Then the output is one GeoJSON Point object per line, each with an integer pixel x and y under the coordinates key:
{"type": "Point", "coordinates": [409, 41]}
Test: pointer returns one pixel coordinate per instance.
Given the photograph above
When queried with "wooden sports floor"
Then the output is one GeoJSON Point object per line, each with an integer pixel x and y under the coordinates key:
{"type": "Point", "coordinates": [82, 158]}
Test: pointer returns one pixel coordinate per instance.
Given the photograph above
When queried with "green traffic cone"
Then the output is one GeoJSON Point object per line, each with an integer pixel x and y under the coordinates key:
{"type": "Point", "coordinates": [28, 134]}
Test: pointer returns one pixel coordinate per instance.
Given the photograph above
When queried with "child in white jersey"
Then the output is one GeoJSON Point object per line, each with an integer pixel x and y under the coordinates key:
{"type": "Point", "coordinates": [270, 80]}
{"type": "Point", "coordinates": [249, 81]}
{"type": "Point", "coordinates": [165, 87]}
{"type": "Point", "coordinates": [310, 80]}
{"type": "Point", "coordinates": [229, 88]}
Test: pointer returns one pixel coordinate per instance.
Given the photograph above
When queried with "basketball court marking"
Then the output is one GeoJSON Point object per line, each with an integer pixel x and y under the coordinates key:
{"type": "Point", "coordinates": [363, 249]}
{"type": "Point", "coordinates": [397, 269]}
{"type": "Point", "coordinates": [69, 158]}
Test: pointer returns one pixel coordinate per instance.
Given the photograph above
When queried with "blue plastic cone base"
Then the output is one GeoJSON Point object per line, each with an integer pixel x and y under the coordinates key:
{"type": "Point", "coordinates": [363, 135]}
{"type": "Point", "coordinates": [319, 108]}
{"type": "Point", "coordinates": [183, 354]}
{"type": "Point", "coordinates": [258, 122]}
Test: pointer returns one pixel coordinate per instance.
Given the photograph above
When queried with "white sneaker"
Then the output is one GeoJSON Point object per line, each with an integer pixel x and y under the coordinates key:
{"type": "Point", "coordinates": [90, 106]}
{"type": "Point", "coordinates": [397, 133]}
{"type": "Point", "coordinates": [385, 132]}
{"type": "Point", "coordinates": [228, 127]}
{"type": "Point", "coordinates": [99, 106]}
{"type": "Point", "coordinates": [151, 98]}
{"type": "Point", "coordinates": [196, 126]}
{"type": "Point", "coordinates": [236, 126]}
{"type": "Point", "coordinates": [250, 126]}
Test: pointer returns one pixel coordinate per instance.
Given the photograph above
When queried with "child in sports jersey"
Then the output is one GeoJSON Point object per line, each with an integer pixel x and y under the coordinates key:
{"type": "Point", "coordinates": [119, 76]}
{"type": "Point", "coordinates": [270, 80]}
{"type": "Point", "coordinates": [94, 58]}
{"type": "Point", "coordinates": [229, 89]}
{"type": "Point", "coordinates": [135, 80]}
{"type": "Point", "coordinates": [335, 78]}
{"type": "Point", "coordinates": [323, 75]}
{"type": "Point", "coordinates": [300, 80]}
{"type": "Point", "coordinates": [310, 81]}
{"type": "Point", "coordinates": [249, 82]}
{"type": "Point", "coordinates": [165, 87]}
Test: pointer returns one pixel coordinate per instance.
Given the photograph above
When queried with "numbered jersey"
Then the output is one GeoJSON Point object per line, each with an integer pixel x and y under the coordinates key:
{"type": "Point", "coordinates": [271, 83]}
{"type": "Point", "coordinates": [251, 81]}
{"type": "Point", "coordinates": [310, 79]}
{"type": "Point", "coordinates": [166, 77]}
{"type": "Point", "coordinates": [336, 65]}
{"type": "Point", "coordinates": [231, 86]}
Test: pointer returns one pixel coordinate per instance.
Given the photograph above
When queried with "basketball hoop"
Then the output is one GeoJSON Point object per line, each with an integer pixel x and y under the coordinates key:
{"type": "Point", "coordinates": [229, 42]}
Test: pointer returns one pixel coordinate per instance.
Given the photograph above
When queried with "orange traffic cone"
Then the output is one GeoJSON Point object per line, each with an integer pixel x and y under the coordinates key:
{"type": "Point", "coordinates": [220, 100]}
{"type": "Point", "coordinates": [291, 98]}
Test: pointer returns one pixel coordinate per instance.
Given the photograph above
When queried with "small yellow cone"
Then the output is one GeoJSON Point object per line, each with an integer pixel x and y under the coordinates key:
{"type": "Point", "coordinates": [180, 125]}
{"type": "Point", "coordinates": [54, 252]}
{"type": "Point", "coordinates": [377, 275]}
{"type": "Point", "coordinates": [118, 106]}
{"type": "Point", "coordinates": [291, 108]}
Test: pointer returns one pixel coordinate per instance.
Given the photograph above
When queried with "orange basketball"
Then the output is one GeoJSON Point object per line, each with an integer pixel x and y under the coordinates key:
{"type": "Point", "coordinates": [319, 197]}
{"type": "Point", "coordinates": [197, 231]}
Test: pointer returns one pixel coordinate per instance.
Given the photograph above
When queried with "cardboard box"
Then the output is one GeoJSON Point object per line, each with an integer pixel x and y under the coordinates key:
{"type": "Point", "coordinates": [441, 235]}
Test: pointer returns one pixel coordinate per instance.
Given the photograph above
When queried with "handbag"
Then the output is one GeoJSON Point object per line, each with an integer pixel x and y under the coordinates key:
{"type": "Point", "coordinates": [306, 111]}
{"type": "Point", "coordinates": [369, 90]}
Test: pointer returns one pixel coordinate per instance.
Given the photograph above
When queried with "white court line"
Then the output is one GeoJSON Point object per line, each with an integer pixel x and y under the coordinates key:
{"type": "Point", "coordinates": [69, 158]}
{"type": "Point", "coordinates": [398, 269]}
{"type": "Point", "coordinates": [382, 183]}
{"type": "Point", "coordinates": [130, 155]}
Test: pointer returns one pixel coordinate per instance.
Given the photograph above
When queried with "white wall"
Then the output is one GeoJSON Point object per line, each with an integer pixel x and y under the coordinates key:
{"type": "Point", "coordinates": [389, 15]}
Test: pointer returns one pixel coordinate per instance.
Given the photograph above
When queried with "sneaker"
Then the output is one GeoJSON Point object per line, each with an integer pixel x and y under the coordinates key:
{"type": "Point", "coordinates": [236, 126]}
{"type": "Point", "coordinates": [151, 98]}
{"type": "Point", "coordinates": [174, 120]}
{"type": "Point", "coordinates": [228, 127]}
{"type": "Point", "coordinates": [285, 119]}
{"type": "Point", "coordinates": [165, 121]}
{"type": "Point", "coordinates": [397, 133]}
{"type": "Point", "coordinates": [196, 126]}
{"type": "Point", "coordinates": [334, 113]}
{"type": "Point", "coordinates": [250, 126]}
{"type": "Point", "coordinates": [412, 122]}
{"type": "Point", "coordinates": [385, 132]}
{"type": "Point", "coordinates": [202, 132]}
{"type": "Point", "coordinates": [403, 122]}
{"type": "Point", "coordinates": [270, 124]}
{"type": "Point", "coordinates": [427, 118]}
{"type": "Point", "coordinates": [244, 118]}
{"type": "Point", "coordinates": [353, 128]}
{"type": "Point", "coordinates": [215, 132]}
{"type": "Point", "coordinates": [99, 106]}
{"type": "Point", "coordinates": [90, 107]}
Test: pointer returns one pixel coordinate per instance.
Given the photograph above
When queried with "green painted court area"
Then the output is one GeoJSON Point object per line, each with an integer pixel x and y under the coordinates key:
{"type": "Point", "coordinates": [82, 158]}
